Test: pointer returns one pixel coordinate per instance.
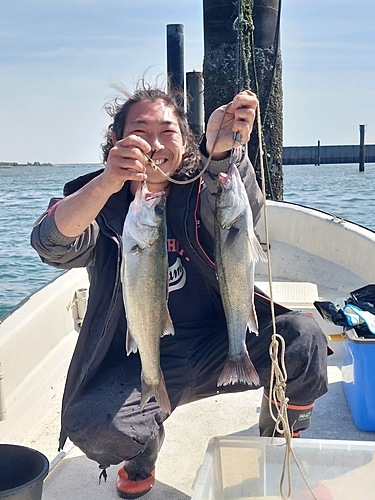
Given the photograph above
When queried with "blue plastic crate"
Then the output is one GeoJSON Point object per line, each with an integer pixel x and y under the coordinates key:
{"type": "Point", "coordinates": [358, 367]}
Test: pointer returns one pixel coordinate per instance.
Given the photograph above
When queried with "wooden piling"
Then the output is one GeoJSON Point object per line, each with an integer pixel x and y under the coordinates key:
{"type": "Point", "coordinates": [361, 148]}
{"type": "Point", "coordinates": [195, 112]}
{"type": "Point", "coordinates": [317, 162]}
{"type": "Point", "coordinates": [175, 56]}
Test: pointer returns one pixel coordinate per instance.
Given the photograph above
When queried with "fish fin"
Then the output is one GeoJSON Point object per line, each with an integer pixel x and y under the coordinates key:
{"type": "Point", "coordinates": [131, 345]}
{"type": "Point", "coordinates": [231, 238]}
{"type": "Point", "coordinates": [252, 324]}
{"type": "Point", "coordinates": [239, 370]}
{"type": "Point", "coordinates": [169, 328]}
{"type": "Point", "coordinates": [159, 392]}
{"type": "Point", "coordinates": [256, 250]}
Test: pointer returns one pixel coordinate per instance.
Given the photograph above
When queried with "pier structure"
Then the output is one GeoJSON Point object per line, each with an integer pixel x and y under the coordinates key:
{"type": "Point", "coordinates": [323, 155]}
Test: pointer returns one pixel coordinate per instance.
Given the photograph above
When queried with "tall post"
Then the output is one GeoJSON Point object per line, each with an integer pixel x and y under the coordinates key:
{"type": "Point", "coordinates": [175, 56]}
{"type": "Point", "coordinates": [241, 50]}
{"type": "Point", "coordinates": [194, 89]}
{"type": "Point", "coordinates": [361, 148]}
{"type": "Point", "coordinates": [317, 162]}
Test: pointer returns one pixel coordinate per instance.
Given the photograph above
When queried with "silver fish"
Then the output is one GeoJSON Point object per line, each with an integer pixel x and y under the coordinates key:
{"type": "Point", "coordinates": [237, 249]}
{"type": "Point", "coordinates": [144, 273]}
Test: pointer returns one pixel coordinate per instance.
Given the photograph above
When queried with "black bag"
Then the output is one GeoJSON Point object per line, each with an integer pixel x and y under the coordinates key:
{"type": "Point", "coordinates": [364, 298]}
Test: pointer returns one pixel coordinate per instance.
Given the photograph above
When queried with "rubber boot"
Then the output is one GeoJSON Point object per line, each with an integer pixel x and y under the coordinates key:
{"type": "Point", "coordinates": [137, 476]}
{"type": "Point", "coordinates": [298, 417]}
{"type": "Point", "coordinates": [141, 466]}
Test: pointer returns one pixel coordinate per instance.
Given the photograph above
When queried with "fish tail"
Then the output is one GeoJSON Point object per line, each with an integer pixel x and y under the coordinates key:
{"type": "Point", "coordinates": [159, 392]}
{"type": "Point", "coordinates": [239, 370]}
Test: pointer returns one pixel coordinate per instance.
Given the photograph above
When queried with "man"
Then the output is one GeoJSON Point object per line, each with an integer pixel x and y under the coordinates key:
{"type": "Point", "coordinates": [101, 412]}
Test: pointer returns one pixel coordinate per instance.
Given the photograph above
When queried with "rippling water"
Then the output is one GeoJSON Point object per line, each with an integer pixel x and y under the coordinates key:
{"type": "Point", "coordinates": [24, 195]}
{"type": "Point", "coordinates": [337, 189]}
{"type": "Point", "coordinates": [25, 192]}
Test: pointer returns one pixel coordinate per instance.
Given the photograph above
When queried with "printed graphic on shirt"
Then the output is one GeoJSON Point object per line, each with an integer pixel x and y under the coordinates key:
{"type": "Point", "coordinates": [177, 276]}
{"type": "Point", "coordinates": [176, 270]}
{"type": "Point", "coordinates": [188, 298]}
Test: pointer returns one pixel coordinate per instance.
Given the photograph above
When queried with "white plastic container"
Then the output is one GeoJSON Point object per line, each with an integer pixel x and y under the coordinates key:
{"type": "Point", "coordinates": [250, 468]}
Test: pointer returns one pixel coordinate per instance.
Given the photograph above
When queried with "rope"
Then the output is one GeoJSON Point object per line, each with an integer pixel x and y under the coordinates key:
{"type": "Point", "coordinates": [242, 26]}
{"type": "Point", "coordinates": [278, 376]}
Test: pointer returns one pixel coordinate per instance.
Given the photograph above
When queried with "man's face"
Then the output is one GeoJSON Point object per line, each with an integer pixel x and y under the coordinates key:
{"type": "Point", "coordinates": [157, 124]}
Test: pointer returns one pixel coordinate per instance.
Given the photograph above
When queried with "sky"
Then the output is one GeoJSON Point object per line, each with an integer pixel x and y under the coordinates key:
{"type": "Point", "coordinates": [60, 59]}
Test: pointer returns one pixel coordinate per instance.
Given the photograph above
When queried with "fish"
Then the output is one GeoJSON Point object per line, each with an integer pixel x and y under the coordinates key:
{"type": "Point", "coordinates": [237, 249]}
{"type": "Point", "coordinates": [144, 275]}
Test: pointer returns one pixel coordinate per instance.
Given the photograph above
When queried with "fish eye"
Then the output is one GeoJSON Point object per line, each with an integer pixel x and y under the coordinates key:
{"type": "Point", "coordinates": [159, 209]}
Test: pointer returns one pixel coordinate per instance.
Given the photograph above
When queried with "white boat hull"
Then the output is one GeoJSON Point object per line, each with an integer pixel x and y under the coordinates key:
{"type": "Point", "coordinates": [313, 255]}
{"type": "Point", "coordinates": [36, 345]}
{"type": "Point", "coordinates": [311, 246]}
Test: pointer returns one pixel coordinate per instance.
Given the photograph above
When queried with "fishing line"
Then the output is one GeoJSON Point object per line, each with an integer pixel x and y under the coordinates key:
{"type": "Point", "coordinates": [193, 179]}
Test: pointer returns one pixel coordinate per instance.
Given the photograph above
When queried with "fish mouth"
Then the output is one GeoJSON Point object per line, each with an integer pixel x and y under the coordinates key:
{"type": "Point", "coordinates": [152, 195]}
{"type": "Point", "coordinates": [225, 180]}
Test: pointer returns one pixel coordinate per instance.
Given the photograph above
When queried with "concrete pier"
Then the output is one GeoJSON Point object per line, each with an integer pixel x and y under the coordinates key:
{"type": "Point", "coordinates": [313, 155]}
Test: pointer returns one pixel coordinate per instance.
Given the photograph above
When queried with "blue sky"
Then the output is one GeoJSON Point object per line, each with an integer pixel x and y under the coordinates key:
{"type": "Point", "coordinates": [58, 60]}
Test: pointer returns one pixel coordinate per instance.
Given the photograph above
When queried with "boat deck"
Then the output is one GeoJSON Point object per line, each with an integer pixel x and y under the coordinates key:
{"type": "Point", "coordinates": [188, 431]}
{"type": "Point", "coordinates": [37, 340]}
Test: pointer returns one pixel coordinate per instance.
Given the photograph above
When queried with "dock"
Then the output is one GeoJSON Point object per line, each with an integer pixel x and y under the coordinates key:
{"type": "Point", "coordinates": [323, 155]}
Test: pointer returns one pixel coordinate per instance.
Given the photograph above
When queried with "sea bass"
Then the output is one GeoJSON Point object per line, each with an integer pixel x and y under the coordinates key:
{"type": "Point", "coordinates": [237, 249]}
{"type": "Point", "coordinates": [144, 274]}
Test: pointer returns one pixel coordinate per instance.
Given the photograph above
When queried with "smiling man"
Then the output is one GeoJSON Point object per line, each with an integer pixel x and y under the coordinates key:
{"type": "Point", "coordinates": [101, 405]}
{"type": "Point", "coordinates": [153, 124]}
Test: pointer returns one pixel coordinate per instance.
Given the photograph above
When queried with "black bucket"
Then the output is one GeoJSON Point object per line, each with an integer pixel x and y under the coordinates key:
{"type": "Point", "coordinates": [22, 472]}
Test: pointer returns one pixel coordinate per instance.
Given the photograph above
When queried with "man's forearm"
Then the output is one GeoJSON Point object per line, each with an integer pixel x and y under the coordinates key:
{"type": "Point", "coordinates": [76, 212]}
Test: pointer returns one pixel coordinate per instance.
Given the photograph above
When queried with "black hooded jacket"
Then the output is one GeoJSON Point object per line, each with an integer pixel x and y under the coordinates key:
{"type": "Point", "coordinates": [98, 248]}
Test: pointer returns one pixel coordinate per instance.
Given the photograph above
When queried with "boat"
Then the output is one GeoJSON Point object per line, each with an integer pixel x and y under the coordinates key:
{"type": "Point", "coordinates": [314, 256]}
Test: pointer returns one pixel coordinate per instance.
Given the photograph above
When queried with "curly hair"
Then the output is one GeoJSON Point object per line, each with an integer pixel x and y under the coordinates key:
{"type": "Point", "coordinates": [119, 108]}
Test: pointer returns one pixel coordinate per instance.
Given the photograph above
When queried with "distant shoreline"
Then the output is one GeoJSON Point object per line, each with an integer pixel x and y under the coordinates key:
{"type": "Point", "coordinates": [10, 164]}
{"type": "Point", "coordinates": [37, 164]}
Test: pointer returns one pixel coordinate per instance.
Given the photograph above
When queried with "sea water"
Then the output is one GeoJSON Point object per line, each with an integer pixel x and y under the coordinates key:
{"type": "Point", "coordinates": [337, 189]}
{"type": "Point", "coordinates": [25, 192]}
{"type": "Point", "coordinates": [24, 196]}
